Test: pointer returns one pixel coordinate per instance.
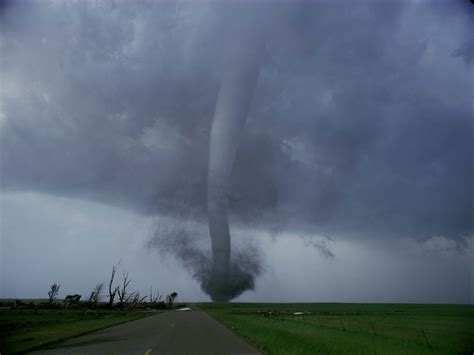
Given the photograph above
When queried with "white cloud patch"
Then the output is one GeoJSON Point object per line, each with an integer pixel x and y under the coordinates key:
{"type": "Point", "coordinates": [442, 245]}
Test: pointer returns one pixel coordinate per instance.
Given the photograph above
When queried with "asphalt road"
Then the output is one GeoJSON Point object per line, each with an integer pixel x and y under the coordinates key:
{"type": "Point", "coordinates": [193, 332]}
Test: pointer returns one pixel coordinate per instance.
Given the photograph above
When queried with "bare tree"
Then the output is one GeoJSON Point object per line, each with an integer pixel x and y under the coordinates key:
{"type": "Point", "coordinates": [53, 292]}
{"type": "Point", "coordinates": [134, 299]}
{"type": "Point", "coordinates": [123, 290]}
{"type": "Point", "coordinates": [94, 298]}
{"type": "Point", "coordinates": [129, 298]}
{"type": "Point", "coordinates": [141, 300]}
{"type": "Point", "coordinates": [91, 297]}
{"type": "Point", "coordinates": [154, 297]}
{"type": "Point", "coordinates": [112, 292]}
{"type": "Point", "coordinates": [171, 298]}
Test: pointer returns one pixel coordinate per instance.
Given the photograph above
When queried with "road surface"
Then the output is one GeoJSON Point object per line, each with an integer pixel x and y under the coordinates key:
{"type": "Point", "coordinates": [193, 332]}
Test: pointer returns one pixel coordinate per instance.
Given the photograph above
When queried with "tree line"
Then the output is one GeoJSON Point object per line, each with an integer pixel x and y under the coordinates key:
{"type": "Point", "coordinates": [117, 295]}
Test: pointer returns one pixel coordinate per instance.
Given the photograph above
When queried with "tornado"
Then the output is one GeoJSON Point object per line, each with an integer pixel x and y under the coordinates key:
{"type": "Point", "coordinates": [227, 279]}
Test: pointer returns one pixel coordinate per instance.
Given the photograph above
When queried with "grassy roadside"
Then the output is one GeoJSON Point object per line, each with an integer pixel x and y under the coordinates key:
{"type": "Point", "coordinates": [22, 331]}
{"type": "Point", "coordinates": [351, 328]}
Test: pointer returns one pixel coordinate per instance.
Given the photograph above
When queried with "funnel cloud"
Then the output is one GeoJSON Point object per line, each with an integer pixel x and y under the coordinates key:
{"type": "Point", "coordinates": [227, 278]}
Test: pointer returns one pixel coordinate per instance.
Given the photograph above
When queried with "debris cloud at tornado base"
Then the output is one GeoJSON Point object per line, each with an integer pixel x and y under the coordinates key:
{"type": "Point", "coordinates": [188, 243]}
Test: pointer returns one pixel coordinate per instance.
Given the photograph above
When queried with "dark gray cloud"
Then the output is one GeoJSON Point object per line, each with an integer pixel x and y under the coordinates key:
{"type": "Point", "coordinates": [321, 244]}
{"type": "Point", "coordinates": [360, 127]}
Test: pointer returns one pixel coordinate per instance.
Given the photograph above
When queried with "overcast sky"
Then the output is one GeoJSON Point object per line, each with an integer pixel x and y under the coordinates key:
{"type": "Point", "coordinates": [354, 175]}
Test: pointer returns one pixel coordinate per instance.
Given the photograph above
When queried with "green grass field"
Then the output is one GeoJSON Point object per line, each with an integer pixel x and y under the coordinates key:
{"type": "Point", "coordinates": [351, 328]}
{"type": "Point", "coordinates": [23, 330]}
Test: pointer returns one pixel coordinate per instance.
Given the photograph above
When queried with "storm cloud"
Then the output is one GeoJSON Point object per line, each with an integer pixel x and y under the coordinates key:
{"type": "Point", "coordinates": [360, 126]}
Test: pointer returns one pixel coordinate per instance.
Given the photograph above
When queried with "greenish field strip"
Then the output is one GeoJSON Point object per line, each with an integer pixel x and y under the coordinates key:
{"type": "Point", "coordinates": [351, 328]}
{"type": "Point", "coordinates": [26, 330]}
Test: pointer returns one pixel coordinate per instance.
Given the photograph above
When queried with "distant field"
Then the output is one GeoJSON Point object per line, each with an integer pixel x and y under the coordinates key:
{"type": "Point", "coordinates": [23, 330]}
{"type": "Point", "coordinates": [350, 328]}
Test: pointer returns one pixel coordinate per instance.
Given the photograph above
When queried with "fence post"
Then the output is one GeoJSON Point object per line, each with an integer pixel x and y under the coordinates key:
{"type": "Point", "coordinates": [373, 329]}
{"type": "Point", "coordinates": [426, 339]}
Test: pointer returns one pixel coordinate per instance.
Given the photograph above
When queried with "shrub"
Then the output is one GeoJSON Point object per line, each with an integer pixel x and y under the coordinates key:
{"type": "Point", "coordinates": [72, 300]}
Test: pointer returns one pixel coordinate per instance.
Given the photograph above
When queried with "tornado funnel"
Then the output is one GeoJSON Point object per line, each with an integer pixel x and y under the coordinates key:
{"type": "Point", "coordinates": [227, 280]}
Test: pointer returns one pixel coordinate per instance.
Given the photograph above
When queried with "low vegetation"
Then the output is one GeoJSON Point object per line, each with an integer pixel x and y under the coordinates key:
{"type": "Point", "coordinates": [27, 329]}
{"type": "Point", "coordinates": [351, 328]}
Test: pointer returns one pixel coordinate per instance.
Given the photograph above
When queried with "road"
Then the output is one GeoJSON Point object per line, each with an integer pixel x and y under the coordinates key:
{"type": "Point", "coordinates": [193, 332]}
